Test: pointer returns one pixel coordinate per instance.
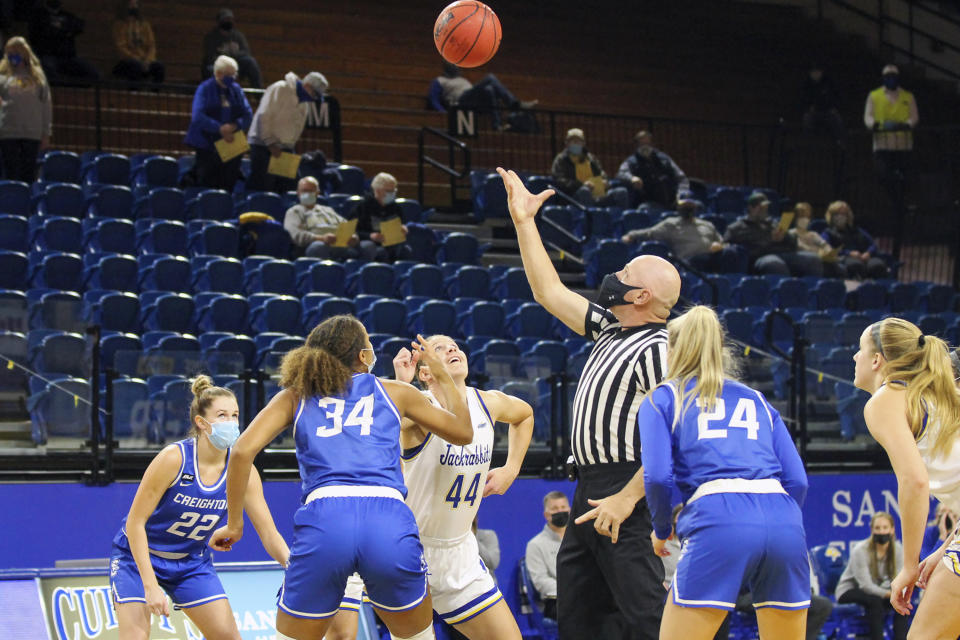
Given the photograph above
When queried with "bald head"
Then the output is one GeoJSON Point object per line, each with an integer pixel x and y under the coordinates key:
{"type": "Point", "coordinates": [660, 279]}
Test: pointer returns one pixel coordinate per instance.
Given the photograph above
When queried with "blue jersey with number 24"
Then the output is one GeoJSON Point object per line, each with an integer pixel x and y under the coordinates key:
{"type": "Point", "coordinates": [349, 439]}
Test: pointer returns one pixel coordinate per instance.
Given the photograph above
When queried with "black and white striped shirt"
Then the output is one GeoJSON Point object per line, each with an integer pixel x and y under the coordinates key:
{"type": "Point", "coordinates": [623, 366]}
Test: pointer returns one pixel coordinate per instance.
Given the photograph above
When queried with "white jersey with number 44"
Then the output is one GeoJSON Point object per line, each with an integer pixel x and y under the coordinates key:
{"type": "Point", "coordinates": [445, 481]}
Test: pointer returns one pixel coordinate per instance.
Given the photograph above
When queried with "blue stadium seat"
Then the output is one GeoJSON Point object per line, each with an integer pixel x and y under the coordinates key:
{"type": "Point", "coordinates": [818, 327]}
{"type": "Point", "coordinates": [423, 280]}
{"type": "Point", "coordinates": [324, 276]}
{"type": "Point", "coordinates": [168, 311]}
{"type": "Point", "coordinates": [412, 211]}
{"type": "Point", "coordinates": [157, 171]}
{"type": "Point", "coordinates": [530, 321]}
{"type": "Point", "coordinates": [633, 220]}
{"type": "Point", "coordinates": [14, 267]}
{"type": "Point", "coordinates": [869, 295]}
{"type": "Point", "coordinates": [176, 422]}
{"type": "Point", "coordinates": [903, 296]}
{"type": "Point", "coordinates": [385, 316]}
{"type": "Point", "coordinates": [111, 201]}
{"type": "Point", "coordinates": [603, 222]}
{"type": "Point", "coordinates": [500, 358]}
{"type": "Point", "coordinates": [267, 238]}
{"type": "Point", "coordinates": [60, 352]}
{"type": "Point", "coordinates": [168, 203]}
{"type": "Point", "coordinates": [109, 235]}
{"type": "Point", "coordinates": [272, 276]}
{"type": "Point", "coordinates": [422, 242]}
{"type": "Point", "coordinates": [108, 168]}
{"type": "Point", "coordinates": [653, 248]}
{"type": "Point", "coordinates": [278, 313]}
{"type": "Point", "coordinates": [15, 198]}
{"type": "Point", "coordinates": [791, 292]}
{"type": "Point", "coordinates": [752, 291]}
{"type": "Point", "coordinates": [850, 404]}
{"type": "Point", "coordinates": [61, 199]}
{"type": "Point", "coordinates": [13, 345]}
{"type": "Point", "coordinates": [111, 343]}
{"type": "Point", "coordinates": [58, 413]}
{"type": "Point", "coordinates": [328, 308]}
{"type": "Point", "coordinates": [828, 293]}
{"type": "Point", "coordinates": [469, 281]}
{"type": "Point", "coordinates": [432, 318]}
{"type": "Point", "coordinates": [933, 324]}
{"type": "Point", "coordinates": [162, 236]}
{"type": "Point", "coordinates": [52, 309]}
{"type": "Point", "coordinates": [563, 218]}
{"type": "Point", "coordinates": [241, 344]}
{"type": "Point", "coordinates": [263, 202]}
{"type": "Point", "coordinates": [211, 204]}
{"type": "Point", "coordinates": [490, 200]}
{"type": "Point", "coordinates": [110, 271]}
{"type": "Point", "coordinates": [60, 166]}
{"type": "Point", "coordinates": [606, 256]}
{"type": "Point", "coordinates": [352, 178]}
{"type": "Point", "coordinates": [373, 278]}
{"type": "Point", "coordinates": [513, 284]}
{"type": "Point", "coordinates": [940, 297]}
{"type": "Point", "coordinates": [116, 311]}
{"type": "Point", "coordinates": [462, 248]}
{"type": "Point", "coordinates": [14, 232]}
{"type": "Point", "coordinates": [56, 233]}
{"type": "Point", "coordinates": [850, 327]}
{"type": "Point", "coordinates": [483, 319]}
{"type": "Point", "coordinates": [224, 313]}
{"type": "Point", "coordinates": [739, 324]}
{"type": "Point", "coordinates": [56, 270]}
{"type": "Point", "coordinates": [728, 200]}
{"type": "Point", "coordinates": [552, 351]}
{"type": "Point", "coordinates": [131, 409]}
{"type": "Point", "coordinates": [165, 273]}
{"type": "Point", "coordinates": [216, 238]}
{"type": "Point", "coordinates": [390, 348]}
{"type": "Point", "coordinates": [218, 274]}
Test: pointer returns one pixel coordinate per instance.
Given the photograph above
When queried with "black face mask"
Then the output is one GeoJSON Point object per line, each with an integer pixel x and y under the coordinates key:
{"type": "Point", "coordinates": [612, 292]}
{"type": "Point", "coordinates": [226, 25]}
{"type": "Point", "coordinates": [560, 518]}
{"type": "Point", "coordinates": [881, 538]}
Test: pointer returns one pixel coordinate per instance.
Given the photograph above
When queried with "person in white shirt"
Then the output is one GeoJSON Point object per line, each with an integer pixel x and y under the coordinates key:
{"type": "Point", "coordinates": [313, 227]}
{"type": "Point", "coordinates": [542, 549]}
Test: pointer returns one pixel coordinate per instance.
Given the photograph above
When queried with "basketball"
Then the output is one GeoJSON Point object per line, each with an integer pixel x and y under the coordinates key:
{"type": "Point", "coordinates": [467, 33]}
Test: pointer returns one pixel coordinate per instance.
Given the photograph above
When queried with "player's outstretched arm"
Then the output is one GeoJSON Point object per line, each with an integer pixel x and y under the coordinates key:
{"type": "Point", "coordinates": [519, 415]}
{"type": "Point", "coordinates": [269, 423]}
{"type": "Point", "coordinates": [569, 307]}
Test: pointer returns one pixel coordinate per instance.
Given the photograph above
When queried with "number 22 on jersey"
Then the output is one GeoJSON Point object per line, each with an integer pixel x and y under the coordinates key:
{"type": "Point", "coordinates": [744, 417]}
{"type": "Point", "coordinates": [360, 416]}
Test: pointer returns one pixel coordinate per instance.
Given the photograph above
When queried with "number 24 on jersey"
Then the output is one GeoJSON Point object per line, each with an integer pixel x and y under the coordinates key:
{"type": "Point", "coordinates": [744, 417]}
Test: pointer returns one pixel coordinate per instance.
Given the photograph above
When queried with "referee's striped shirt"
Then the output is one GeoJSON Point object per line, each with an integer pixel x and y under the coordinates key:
{"type": "Point", "coordinates": [623, 366]}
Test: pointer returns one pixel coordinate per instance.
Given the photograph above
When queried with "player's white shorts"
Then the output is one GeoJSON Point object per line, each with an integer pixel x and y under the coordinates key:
{"type": "Point", "coordinates": [353, 594]}
{"type": "Point", "coordinates": [460, 585]}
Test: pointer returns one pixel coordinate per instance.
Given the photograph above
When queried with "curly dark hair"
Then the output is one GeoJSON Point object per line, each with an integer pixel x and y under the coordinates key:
{"type": "Point", "coordinates": [324, 364]}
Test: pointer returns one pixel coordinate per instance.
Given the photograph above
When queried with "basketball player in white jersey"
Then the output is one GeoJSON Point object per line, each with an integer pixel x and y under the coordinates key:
{"type": "Point", "coordinates": [445, 484]}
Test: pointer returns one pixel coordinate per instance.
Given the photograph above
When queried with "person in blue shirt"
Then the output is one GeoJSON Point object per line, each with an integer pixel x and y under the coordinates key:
{"type": "Point", "coordinates": [161, 548]}
{"type": "Point", "coordinates": [731, 457]}
{"type": "Point", "coordinates": [220, 109]}
{"type": "Point", "coordinates": [346, 425]}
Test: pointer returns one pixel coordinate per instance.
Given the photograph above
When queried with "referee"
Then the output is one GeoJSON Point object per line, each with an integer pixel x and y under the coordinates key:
{"type": "Point", "coordinates": [608, 568]}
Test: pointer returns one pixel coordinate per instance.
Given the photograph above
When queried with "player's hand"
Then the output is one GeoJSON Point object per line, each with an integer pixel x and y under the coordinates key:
{"type": "Point", "coordinates": [659, 546]}
{"type": "Point", "coordinates": [428, 356]}
{"type": "Point", "coordinates": [901, 589]}
{"type": "Point", "coordinates": [608, 513]}
{"type": "Point", "coordinates": [523, 205]}
{"type": "Point", "coordinates": [928, 564]}
{"type": "Point", "coordinates": [499, 480]}
{"type": "Point", "coordinates": [225, 537]}
{"type": "Point", "coordinates": [156, 600]}
{"type": "Point", "coordinates": [405, 365]}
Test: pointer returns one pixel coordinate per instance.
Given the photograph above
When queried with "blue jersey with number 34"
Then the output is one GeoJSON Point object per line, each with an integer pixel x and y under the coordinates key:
{"type": "Point", "coordinates": [350, 439]}
{"type": "Point", "coordinates": [742, 436]}
{"type": "Point", "coordinates": [187, 512]}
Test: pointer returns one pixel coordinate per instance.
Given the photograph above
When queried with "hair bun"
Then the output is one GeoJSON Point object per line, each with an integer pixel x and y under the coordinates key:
{"type": "Point", "coordinates": [200, 384]}
{"type": "Point", "coordinates": [921, 341]}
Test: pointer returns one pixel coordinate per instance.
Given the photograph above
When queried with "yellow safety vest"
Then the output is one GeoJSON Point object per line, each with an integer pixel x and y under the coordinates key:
{"type": "Point", "coordinates": [886, 111]}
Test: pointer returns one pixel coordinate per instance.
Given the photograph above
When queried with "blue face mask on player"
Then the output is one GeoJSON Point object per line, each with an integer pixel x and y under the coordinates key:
{"type": "Point", "coordinates": [223, 434]}
{"type": "Point", "coordinates": [372, 364]}
{"type": "Point", "coordinates": [612, 291]}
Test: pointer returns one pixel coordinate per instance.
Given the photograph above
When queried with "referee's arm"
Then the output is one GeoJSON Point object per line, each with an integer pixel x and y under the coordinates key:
{"type": "Point", "coordinates": [569, 307]}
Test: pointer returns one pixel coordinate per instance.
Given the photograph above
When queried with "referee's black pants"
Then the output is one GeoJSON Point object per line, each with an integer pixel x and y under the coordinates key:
{"type": "Point", "coordinates": [596, 579]}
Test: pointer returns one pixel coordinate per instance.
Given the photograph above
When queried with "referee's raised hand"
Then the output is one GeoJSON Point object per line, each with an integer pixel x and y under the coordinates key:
{"type": "Point", "coordinates": [523, 205]}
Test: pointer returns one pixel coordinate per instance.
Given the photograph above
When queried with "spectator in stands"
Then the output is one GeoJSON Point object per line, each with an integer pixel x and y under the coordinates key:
{"type": "Point", "coordinates": [278, 124]}
{"type": "Point", "coordinates": [26, 120]}
{"type": "Point", "coordinates": [856, 249]}
{"type": "Point", "coordinates": [691, 238]}
{"type": "Point", "coordinates": [652, 174]}
{"type": "Point", "coordinates": [138, 50]}
{"type": "Point", "coordinates": [225, 40]}
{"type": "Point", "coordinates": [874, 563]}
{"type": "Point", "coordinates": [578, 173]}
{"type": "Point", "coordinates": [771, 250]}
{"type": "Point", "coordinates": [939, 529]}
{"type": "Point", "coordinates": [542, 549]}
{"type": "Point", "coordinates": [891, 113]}
{"type": "Point", "coordinates": [450, 89]}
{"type": "Point", "coordinates": [377, 206]}
{"type": "Point", "coordinates": [813, 242]}
{"type": "Point", "coordinates": [313, 227]}
{"type": "Point", "coordinates": [53, 33]}
{"type": "Point", "coordinates": [821, 104]}
{"type": "Point", "coordinates": [220, 109]}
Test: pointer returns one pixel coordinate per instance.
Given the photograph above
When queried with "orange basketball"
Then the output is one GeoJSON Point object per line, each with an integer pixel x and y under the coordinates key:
{"type": "Point", "coordinates": [467, 33]}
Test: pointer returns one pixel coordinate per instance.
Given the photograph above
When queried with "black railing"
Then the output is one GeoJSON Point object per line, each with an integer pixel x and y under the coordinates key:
{"type": "Point", "coordinates": [453, 145]}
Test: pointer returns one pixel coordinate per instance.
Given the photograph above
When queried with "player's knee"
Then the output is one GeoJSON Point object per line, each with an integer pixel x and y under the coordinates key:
{"type": "Point", "coordinates": [426, 634]}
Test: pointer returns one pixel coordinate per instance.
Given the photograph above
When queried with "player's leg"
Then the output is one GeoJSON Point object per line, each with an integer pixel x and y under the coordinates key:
{"type": "Point", "coordinates": [416, 623]}
{"type": "Point", "coordinates": [782, 624]}
{"type": "Point", "coordinates": [344, 625]}
{"type": "Point", "coordinates": [495, 623]}
{"type": "Point", "coordinates": [689, 623]}
{"type": "Point", "coordinates": [214, 620]}
{"type": "Point", "coordinates": [133, 619]}
{"type": "Point", "coordinates": [938, 615]}
{"type": "Point", "coordinates": [301, 628]}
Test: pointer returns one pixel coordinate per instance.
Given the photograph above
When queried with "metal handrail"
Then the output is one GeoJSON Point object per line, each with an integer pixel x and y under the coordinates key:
{"type": "Point", "coordinates": [453, 145]}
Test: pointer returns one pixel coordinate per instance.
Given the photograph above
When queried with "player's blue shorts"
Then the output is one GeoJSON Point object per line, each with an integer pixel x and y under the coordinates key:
{"type": "Point", "coordinates": [189, 582]}
{"type": "Point", "coordinates": [735, 540]}
{"type": "Point", "coordinates": [334, 537]}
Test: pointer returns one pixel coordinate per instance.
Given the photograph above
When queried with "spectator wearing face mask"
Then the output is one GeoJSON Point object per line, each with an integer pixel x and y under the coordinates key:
{"type": "Point", "coordinates": [542, 550]}
{"type": "Point", "coordinates": [812, 242]}
{"type": "Point", "coordinates": [313, 227]}
{"type": "Point", "coordinates": [226, 40]}
{"type": "Point", "coordinates": [53, 33]}
{"type": "Point", "coordinates": [578, 173]}
{"type": "Point", "coordinates": [891, 113]}
{"type": "Point", "coordinates": [134, 39]}
{"type": "Point", "coordinates": [379, 205]}
{"type": "Point", "coordinates": [26, 119]}
{"type": "Point", "coordinates": [874, 563]}
{"type": "Point", "coordinates": [278, 124]}
{"type": "Point", "coordinates": [652, 174]}
{"type": "Point", "coordinates": [691, 238]}
{"type": "Point", "coordinates": [771, 250]}
{"type": "Point", "coordinates": [857, 253]}
{"type": "Point", "coordinates": [220, 109]}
